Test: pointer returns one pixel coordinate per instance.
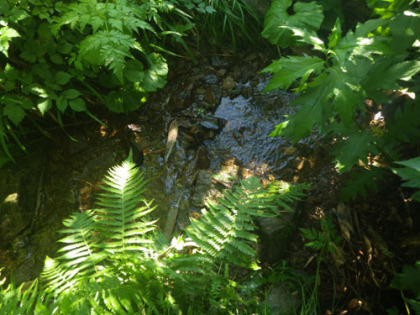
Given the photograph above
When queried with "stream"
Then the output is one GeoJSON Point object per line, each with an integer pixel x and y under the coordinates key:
{"type": "Point", "coordinates": [224, 119]}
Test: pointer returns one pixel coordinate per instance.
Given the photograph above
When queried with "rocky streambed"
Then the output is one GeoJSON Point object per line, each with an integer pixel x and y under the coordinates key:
{"type": "Point", "coordinates": [224, 120]}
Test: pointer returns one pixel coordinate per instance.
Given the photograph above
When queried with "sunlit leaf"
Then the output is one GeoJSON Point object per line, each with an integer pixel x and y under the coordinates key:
{"type": "Point", "coordinates": [357, 147]}
{"type": "Point", "coordinates": [306, 16]}
{"type": "Point", "coordinates": [44, 105]}
{"type": "Point", "coordinates": [288, 70]}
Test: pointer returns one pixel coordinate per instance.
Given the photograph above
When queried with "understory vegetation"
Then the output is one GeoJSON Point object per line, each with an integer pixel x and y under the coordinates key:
{"type": "Point", "coordinates": [356, 80]}
{"type": "Point", "coordinates": [114, 261]}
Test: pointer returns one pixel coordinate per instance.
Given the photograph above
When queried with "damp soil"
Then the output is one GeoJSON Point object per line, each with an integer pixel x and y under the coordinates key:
{"type": "Point", "coordinates": [224, 120]}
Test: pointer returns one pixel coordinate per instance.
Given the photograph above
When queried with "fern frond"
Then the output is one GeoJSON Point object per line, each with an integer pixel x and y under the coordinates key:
{"type": "Point", "coordinates": [59, 278]}
{"type": "Point", "coordinates": [121, 219]}
{"type": "Point", "coordinates": [18, 300]}
{"type": "Point", "coordinates": [225, 233]}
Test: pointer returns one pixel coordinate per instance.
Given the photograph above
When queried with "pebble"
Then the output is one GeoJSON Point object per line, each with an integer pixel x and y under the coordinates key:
{"type": "Point", "coordinates": [221, 73]}
{"type": "Point", "coordinates": [228, 83]}
{"type": "Point", "coordinates": [211, 79]}
{"type": "Point", "coordinates": [289, 150]}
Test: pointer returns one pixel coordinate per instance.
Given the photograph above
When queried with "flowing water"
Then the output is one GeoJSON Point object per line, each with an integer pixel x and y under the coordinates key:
{"type": "Point", "coordinates": [229, 138]}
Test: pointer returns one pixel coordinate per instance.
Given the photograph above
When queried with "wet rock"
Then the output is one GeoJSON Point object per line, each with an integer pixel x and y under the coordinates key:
{"type": "Point", "coordinates": [201, 190]}
{"type": "Point", "coordinates": [228, 174]}
{"type": "Point", "coordinates": [184, 122]}
{"type": "Point", "coordinates": [202, 161]}
{"type": "Point", "coordinates": [213, 123]}
{"type": "Point", "coordinates": [229, 83]}
{"type": "Point", "coordinates": [209, 97]}
{"type": "Point", "coordinates": [218, 62]}
{"type": "Point", "coordinates": [244, 72]}
{"type": "Point", "coordinates": [180, 101]}
{"type": "Point", "coordinates": [276, 234]}
{"type": "Point", "coordinates": [171, 221]}
{"type": "Point", "coordinates": [290, 150]}
{"type": "Point", "coordinates": [284, 299]}
{"type": "Point", "coordinates": [211, 79]}
{"type": "Point", "coordinates": [26, 270]}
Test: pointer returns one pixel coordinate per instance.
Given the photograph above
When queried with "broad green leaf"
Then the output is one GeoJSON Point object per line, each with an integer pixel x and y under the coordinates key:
{"type": "Point", "coordinates": [335, 35]}
{"type": "Point", "coordinates": [14, 112]}
{"type": "Point", "coordinates": [44, 105]}
{"type": "Point", "coordinates": [38, 90]}
{"type": "Point", "coordinates": [409, 279]}
{"type": "Point", "coordinates": [10, 72]}
{"type": "Point", "coordinates": [57, 59]}
{"type": "Point", "coordinates": [345, 95]}
{"type": "Point", "coordinates": [287, 70]}
{"type": "Point", "coordinates": [410, 173]}
{"type": "Point", "coordinates": [305, 36]}
{"type": "Point", "coordinates": [387, 8]}
{"type": "Point", "coordinates": [309, 115]}
{"type": "Point", "coordinates": [384, 75]}
{"type": "Point", "coordinates": [78, 104]}
{"type": "Point", "coordinates": [62, 77]}
{"type": "Point", "coordinates": [279, 129]}
{"type": "Point", "coordinates": [361, 43]}
{"type": "Point", "coordinates": [64, 47]}
{"type": "Point", "coordinates": [406, 27]}
{"type": "Point", "coordinates": [17, 100]}
{"type": "Point", "coordinates": [363, 181]}
{"type": "Point", "coordinates": [133, 71]}
{"type": "Point", "coordinates": [62, 103]}
{"type": "Point", "coordinates": [155, 75]}
{"type": "Point", "coordinates": [307, 16]}
{"type": "Point", "coordinates": [357, 146]}
{"type": "Point", "coordinates": [71, 94]}
{"type": "Point", "coordinates": [6, 35]}
{"type": "Point", "coordinates": [210, 9]}
{"type": "Point", "coordinates": [403, 125]}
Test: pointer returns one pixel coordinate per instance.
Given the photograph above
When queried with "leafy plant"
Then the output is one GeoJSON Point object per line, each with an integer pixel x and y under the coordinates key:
{"type": "Point", "coordinates": [114, 261]}
{"type": "Point", "coordinates": [344, 70]}
{"type": "Point", "coordinates": [410, 173]}
{"type": "Point", "coordinates": [219, 21]}
{"type": "Point", "coordinates": [325, 242]}
{"type": "Point", "coordinates": [17, 300]}
{"type": "Point", "coordinates": [409, 279]}
{"type": "Point", "coordinates": [58, 57]}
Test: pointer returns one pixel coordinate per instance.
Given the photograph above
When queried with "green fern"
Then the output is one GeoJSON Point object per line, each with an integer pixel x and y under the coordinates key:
{"type": "Point", "coordinates": [100, 243]}
{"type": "Point", "coordinates": [121, 221]}
{"type": "Point", "coordinates": [113, 261]}
{"type": "Point", "coordinates": [226, 232]}
{"type": "Point", "coordinates": [18, 300]}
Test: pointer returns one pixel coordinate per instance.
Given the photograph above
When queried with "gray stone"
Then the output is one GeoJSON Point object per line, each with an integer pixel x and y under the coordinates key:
{"type": "Point", "coordinates": [229, 83]}
{"type": "Point", "coordinates": [212, 122]}
{"type": "Point", "coordinates": [276, 234]}
{"type": "Point", "coordinates": [284, 299]}
{"type": "Point", "coordinates": [211, 79]}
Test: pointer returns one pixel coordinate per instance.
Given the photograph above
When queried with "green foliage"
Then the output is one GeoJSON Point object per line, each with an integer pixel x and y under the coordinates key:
{"type": "Point", "coordinates": [114, 261]}
{"type": "Point", "coordinates": [379, 56]}
{"type": "Point", "coordinates": [278, 21]}
{"type": "Point", "coordinates": [409, 279]}
{"type": "Point", "coordinates": [410, 173]}
{"type": "Point", "coordinates": [17, 300]}
{"type": "Point", "coordinates": [58, 57]}
{"type": "Point", "coordinates": [327, 239]}
{"type": "Point", "coordinates": [221, 21]}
